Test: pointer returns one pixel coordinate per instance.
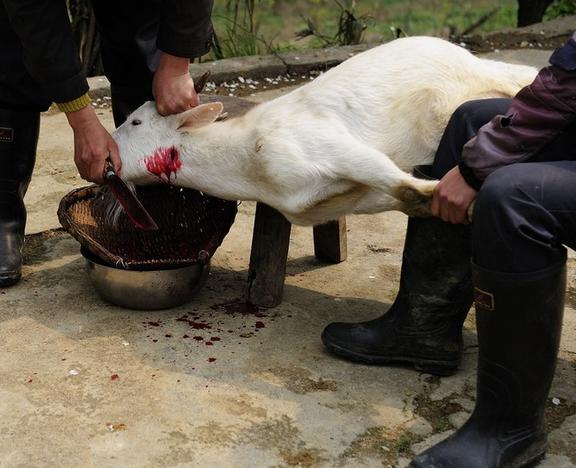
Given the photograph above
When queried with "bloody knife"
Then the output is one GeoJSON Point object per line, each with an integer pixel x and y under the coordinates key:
{"type": "Point", "coordinates": [132, 206]}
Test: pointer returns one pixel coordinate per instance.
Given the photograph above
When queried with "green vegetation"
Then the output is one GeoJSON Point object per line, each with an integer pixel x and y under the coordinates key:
{"type": "Point", "coordinates": [561, 8]}
{"type": "Point", "coordinates": [246, 27]}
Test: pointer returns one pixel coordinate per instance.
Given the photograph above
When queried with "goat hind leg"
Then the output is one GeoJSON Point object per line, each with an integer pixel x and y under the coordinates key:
{"type": "Point", "coordinates": [374, 169]}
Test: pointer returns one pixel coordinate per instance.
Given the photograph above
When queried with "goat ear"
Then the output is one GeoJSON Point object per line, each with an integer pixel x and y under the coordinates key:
{"type": "Point", "coordinates": [198, 116]}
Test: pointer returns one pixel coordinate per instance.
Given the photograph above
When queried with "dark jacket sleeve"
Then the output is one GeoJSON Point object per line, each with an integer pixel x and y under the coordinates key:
{"type": "Point", "coordinates": [50, 54]}
{"type": "Point", "coordinates": [537, 115]}
{"type": "Point", "coordinates": [185, 27]}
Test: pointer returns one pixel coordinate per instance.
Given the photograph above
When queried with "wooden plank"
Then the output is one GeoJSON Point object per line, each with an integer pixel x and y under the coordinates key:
{"type": "Point", "coordinates": [330, 241]}
{"type": "Point", "coordinates": [270, 241]}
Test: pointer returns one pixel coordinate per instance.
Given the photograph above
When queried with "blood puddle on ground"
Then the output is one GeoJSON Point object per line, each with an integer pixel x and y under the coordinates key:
{"type": "Point", "coordinates": [214, 327]}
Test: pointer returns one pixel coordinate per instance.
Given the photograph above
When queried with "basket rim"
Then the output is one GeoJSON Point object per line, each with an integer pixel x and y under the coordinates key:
{"type": "Point", "coordinates": [88, 242]}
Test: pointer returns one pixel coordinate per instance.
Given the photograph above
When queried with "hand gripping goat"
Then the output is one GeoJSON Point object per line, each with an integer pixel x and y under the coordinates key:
{"type": "Point", "coordinates": [344, 143]}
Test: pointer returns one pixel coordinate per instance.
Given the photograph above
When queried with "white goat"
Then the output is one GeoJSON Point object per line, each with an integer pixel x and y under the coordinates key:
{"type": "Point", "coordinates": [338, 145]}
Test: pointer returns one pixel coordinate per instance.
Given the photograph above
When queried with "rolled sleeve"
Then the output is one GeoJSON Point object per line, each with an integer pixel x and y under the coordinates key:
{"type": "Point", "coordinates": [537, 115]}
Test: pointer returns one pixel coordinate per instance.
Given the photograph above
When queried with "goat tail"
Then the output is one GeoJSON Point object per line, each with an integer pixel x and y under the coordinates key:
{"type": "Point", "coordinates": [508, 78]}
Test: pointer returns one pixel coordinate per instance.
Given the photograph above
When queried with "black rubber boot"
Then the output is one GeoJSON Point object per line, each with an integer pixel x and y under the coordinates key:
{"type": "Point", "coordinates": [519, 319]}
{"type": "Point", "coordinates": [424, 325]}
{"type": "Point", "coordinates": [18, 139]}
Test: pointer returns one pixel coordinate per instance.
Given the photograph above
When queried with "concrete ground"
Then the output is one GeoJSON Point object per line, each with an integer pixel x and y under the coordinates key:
{"type": "Point", "coordinates": [85, 383]}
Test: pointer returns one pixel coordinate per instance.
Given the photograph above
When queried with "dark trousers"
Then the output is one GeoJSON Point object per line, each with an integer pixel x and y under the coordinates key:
{"type": "Point", "coordinates": [128, 30]}
{"type": "Point", "coordinates": [524, 212]}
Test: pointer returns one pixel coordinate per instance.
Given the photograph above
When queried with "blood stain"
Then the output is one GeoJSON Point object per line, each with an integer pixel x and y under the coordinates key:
{"type": "Point", "coordinates": [209, 343]}
{"type": "Point", "coordinates": [198, 338]}
{"type": "Point", "coordinates": [193, 324]}
{"type": "Point", "coordinates": [114, 377]}
{"type": "Point", "coordinates": [164, 163]}
{"type": "Point", "coordinates": [211, 359]}
{"type": "Point", "coordinates": [235, 306]}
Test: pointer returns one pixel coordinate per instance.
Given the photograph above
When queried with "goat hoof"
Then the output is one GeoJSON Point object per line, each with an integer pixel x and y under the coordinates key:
{"type": "Point", "coordinates": [416, 200]}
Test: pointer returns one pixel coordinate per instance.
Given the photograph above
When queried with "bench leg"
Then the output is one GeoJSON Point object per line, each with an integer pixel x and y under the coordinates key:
{"type": "Point", "coordinates": [330, 241]}
{"type": "Point", "coordinates": [270, 241]}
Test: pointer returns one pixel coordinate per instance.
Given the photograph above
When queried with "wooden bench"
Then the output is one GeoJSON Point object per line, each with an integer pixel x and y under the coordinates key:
{"type": "Point", "coordinates": [271, 236]}
{"type": "Point", "coordinates": [269, 254]}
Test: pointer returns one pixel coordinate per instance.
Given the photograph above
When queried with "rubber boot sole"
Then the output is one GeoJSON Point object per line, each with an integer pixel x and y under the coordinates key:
{"type": "Point", "coordinates": [8, 280]}
{"type": "Point", "coordinates": [532, 456]}
{"type": "Point", "coordinates": [441, 368]}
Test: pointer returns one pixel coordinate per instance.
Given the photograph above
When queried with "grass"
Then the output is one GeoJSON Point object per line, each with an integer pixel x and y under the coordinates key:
{"type": "Point", "coordinates": [276, 22]}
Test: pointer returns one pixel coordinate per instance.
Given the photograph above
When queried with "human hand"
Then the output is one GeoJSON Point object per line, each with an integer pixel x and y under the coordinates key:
{"type": "Point", "coordinates": [92, 145]}
{"type": "Point", "coordinates": [452, 198]}
{"type": "Point", "coordinates": [173, 87]}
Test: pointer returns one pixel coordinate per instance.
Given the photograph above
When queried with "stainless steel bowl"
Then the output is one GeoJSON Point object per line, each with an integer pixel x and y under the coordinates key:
{"type": "Point", "coordinates": [145, 290]}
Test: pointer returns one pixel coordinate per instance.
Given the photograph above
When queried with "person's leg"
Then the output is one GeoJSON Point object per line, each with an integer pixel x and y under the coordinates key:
{"type": "Point", "coordinates": [128, 31]}
{"type": "Point", "coordinates": [21, 101]}
{"type": "Point", "coordinates": [524, 214]}
{"type": "Point", "coordinates": [424, 325]}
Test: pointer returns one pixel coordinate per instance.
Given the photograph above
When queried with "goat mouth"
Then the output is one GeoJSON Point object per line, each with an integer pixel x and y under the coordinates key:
{"type": "Point", "coordinates": [164, 163]}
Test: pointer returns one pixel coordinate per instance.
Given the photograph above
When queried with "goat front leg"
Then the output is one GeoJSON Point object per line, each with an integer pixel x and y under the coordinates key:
{"type": "Point", "coordinates": [365, 165]}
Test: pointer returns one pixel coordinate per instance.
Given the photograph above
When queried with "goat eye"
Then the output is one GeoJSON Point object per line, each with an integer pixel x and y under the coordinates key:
{"type": "Point", "coordinates": [136, 122]}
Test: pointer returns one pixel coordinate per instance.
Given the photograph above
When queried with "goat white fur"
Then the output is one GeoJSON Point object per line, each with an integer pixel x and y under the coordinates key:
{"type": "Point", "coordinates": [343, 143]}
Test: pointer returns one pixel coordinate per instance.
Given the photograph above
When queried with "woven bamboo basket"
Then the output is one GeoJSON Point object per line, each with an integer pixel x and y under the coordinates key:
{"type": "Point", "coordinates": [191, 225]}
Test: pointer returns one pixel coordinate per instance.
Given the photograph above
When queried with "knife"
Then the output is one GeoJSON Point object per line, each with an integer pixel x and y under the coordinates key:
{"type": "Point", "coordinates": [201, 82]}
{"type": "Point", "coordinates": [132, 206]}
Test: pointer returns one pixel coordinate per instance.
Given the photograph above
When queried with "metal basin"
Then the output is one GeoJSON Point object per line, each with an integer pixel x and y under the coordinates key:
{"type": "Point", "coordinates": [145, 290]}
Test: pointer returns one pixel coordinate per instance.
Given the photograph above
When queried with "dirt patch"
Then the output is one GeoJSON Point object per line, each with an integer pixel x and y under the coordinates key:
{"type": "Point", "coordinates": [546, 35]}
{"type": "Point", "coordinates": [378, 442]}
{"type": "Point", "coordinates": [505, 40]}
{"type": "Point", "coordinates": [305, 457]}
{"type": "Point", "coordinates": [215, 434]}
{"type": "Point", "coordinates": [571, 297]}
{"type": "Point", "coordinates": [556, 414]}
{"type": "Point", "coordinates": [376, 249]}
{"type": "Point", "coordinates": [279, 433]}
{"type": "Point", "coordinates": [437, 412]}
{"type": "Point", "coordinates": [386, 446]}
{"type": "Point", "coordinates": [37, 247]}
{"type": "Point", "coordinates": [299, 380]}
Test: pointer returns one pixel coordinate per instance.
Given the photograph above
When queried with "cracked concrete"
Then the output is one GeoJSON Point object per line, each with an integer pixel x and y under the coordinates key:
{"type": "Point", "coordinates": [85, 383]}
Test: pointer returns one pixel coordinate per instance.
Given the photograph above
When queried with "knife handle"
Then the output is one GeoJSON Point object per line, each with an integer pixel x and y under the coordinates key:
{"type": "Point", "coordinates": [108, 168]}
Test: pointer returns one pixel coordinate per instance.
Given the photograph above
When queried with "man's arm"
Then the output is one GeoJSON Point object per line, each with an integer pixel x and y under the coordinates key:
{"type": "Point", "coordinates": [537, 115]}
{"type": "Point", "coordinates": [185, 33]}
{"type": "Point", "coordinates": [51, 58]}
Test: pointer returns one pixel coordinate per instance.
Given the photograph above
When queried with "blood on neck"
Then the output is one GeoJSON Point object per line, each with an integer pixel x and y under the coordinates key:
{"type": "Point", "coordinates": [163, 163]}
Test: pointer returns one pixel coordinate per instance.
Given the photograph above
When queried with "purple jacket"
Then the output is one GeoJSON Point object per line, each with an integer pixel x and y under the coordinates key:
{"type": "Point", "coordinates": [537, 114]}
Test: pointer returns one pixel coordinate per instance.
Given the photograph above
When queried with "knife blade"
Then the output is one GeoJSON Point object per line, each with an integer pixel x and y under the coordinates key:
{"type": "Point", "coordinates": [201, 82]}
{"type": "Point", "coordinates": [132, 206]}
